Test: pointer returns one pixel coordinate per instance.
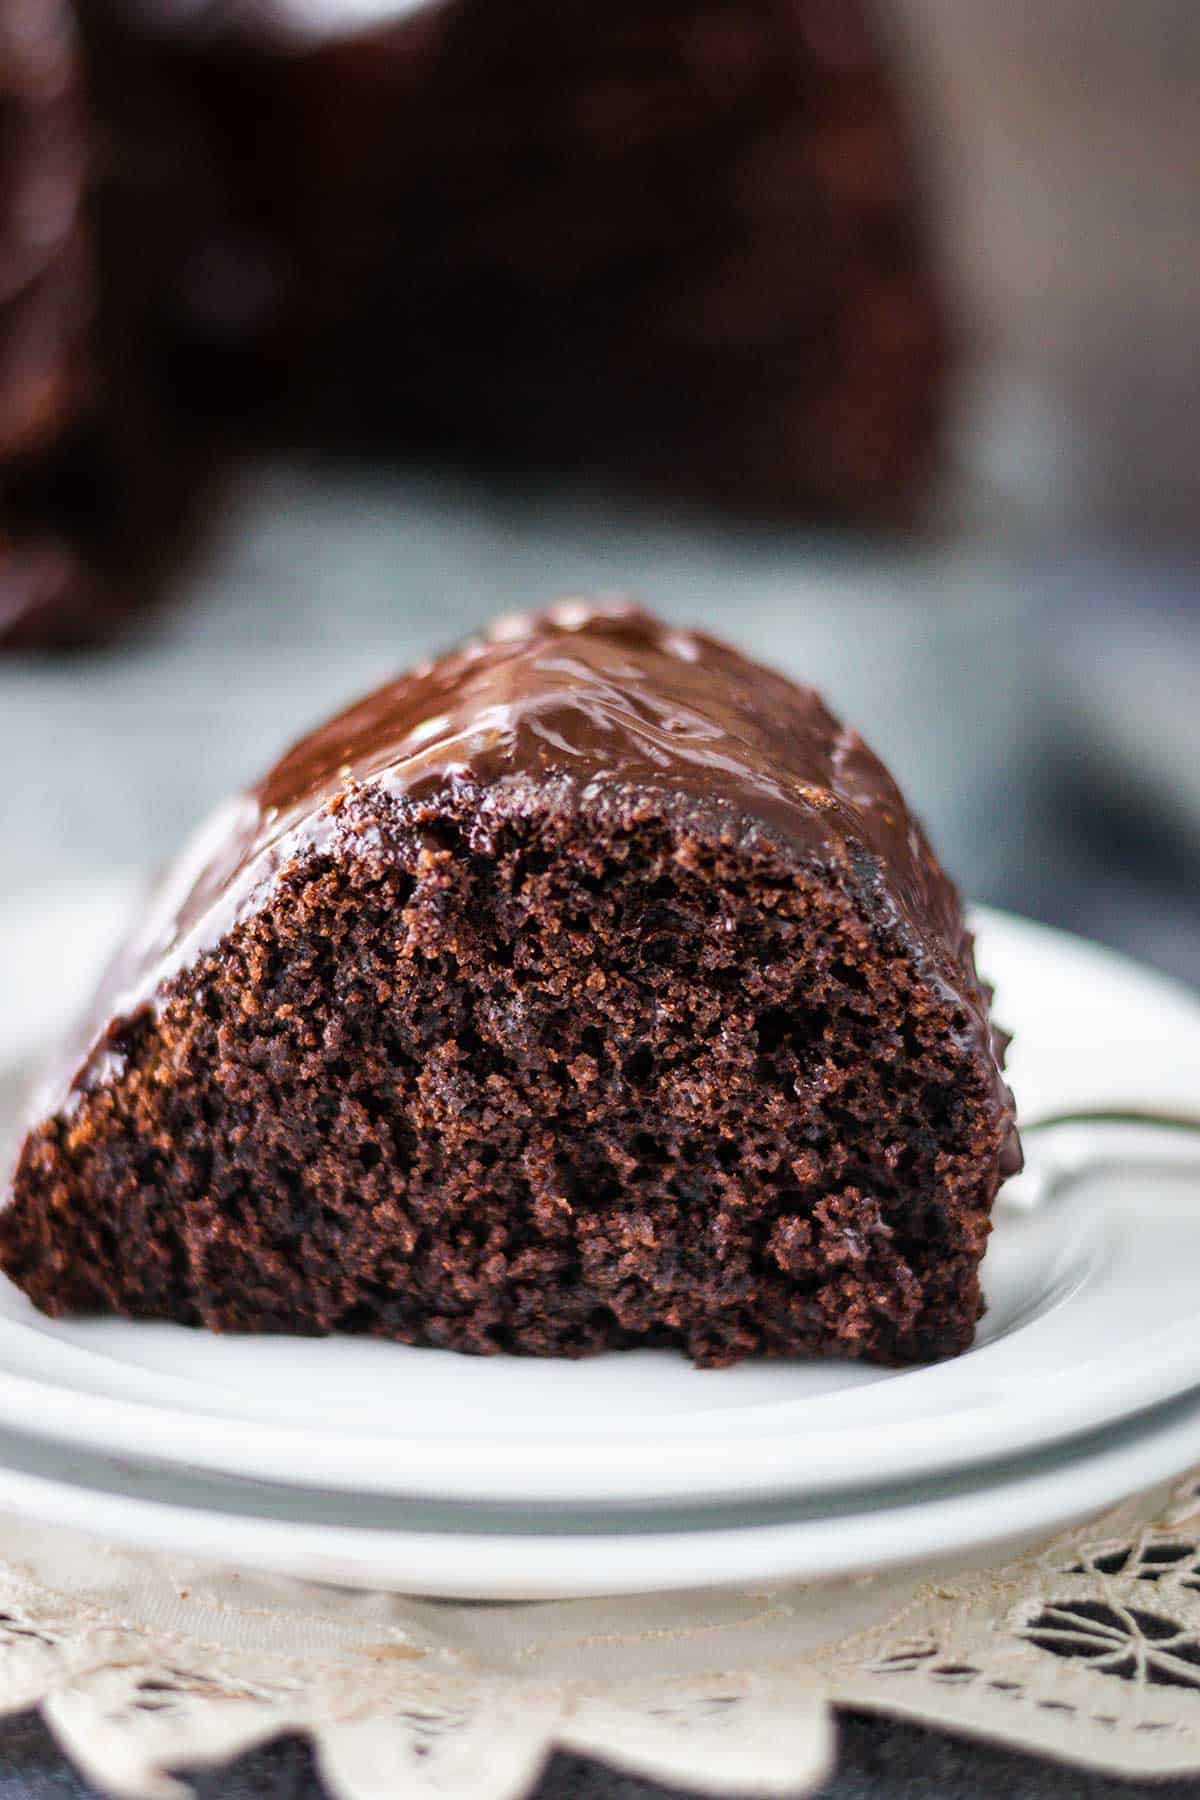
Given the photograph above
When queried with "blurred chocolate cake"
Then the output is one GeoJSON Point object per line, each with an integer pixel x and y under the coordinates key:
{"type": "Point", "coordinates": [44, 279]}
{"type": "Point", "coordinates": [677, 247]}
{"type": "Point", "coordinates": [46, 298]}
{"type": "Point", "coordinates": [94, 484]}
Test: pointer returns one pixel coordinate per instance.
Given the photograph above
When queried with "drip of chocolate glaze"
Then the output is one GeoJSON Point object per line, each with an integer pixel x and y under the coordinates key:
{"type": "Point", "coordinates": [602, 697]}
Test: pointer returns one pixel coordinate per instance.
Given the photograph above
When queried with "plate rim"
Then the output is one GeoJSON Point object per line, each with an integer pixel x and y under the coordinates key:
{"type": "Point", "coordinates": [1064, 1489]}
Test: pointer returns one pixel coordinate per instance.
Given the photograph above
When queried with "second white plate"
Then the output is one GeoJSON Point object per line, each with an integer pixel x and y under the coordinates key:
{"type": "Point", "coordinates": [382, 1543]}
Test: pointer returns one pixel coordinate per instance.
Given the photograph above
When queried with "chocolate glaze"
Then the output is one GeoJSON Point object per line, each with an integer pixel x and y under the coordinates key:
{"type": "Point", "coordinates": [595, 697]}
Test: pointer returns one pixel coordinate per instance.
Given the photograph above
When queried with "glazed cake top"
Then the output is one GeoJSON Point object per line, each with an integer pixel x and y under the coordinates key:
{"type": "Point", "coordinates": [599, 697]}
{"type": "Point", "coordinates": [596, 699]}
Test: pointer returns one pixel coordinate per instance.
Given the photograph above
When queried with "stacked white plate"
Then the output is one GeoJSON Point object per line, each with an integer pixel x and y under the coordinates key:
{"type": "Point", "coordinates": [377, 1465]}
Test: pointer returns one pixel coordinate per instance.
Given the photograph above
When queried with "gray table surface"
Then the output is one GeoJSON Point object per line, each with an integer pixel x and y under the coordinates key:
{"type": "Point", "coordinates": [1037, 707]}
{"type": "Point", "coordinates": [876, 1761]}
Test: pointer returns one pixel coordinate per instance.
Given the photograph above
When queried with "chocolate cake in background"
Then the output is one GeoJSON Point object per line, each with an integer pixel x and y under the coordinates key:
{"type": "Point", "coordinates": [95, 484]}
{"type": "Point", "coordinates": [678, 248]}
{"type": "Point", "coordinates": [46, 304]}
{"type": "Point", "coordinates": [679, 244]}
{"type": "Point", "coordinates": [589, 987]}
{"type": "Point", "coordinates": [45, 280]}
{"type": "Point", "coordinates": [94, 530]}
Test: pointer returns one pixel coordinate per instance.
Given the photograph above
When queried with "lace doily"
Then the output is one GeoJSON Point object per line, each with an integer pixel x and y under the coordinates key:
{"type": "Point", "coordinates": [1086, 1648]}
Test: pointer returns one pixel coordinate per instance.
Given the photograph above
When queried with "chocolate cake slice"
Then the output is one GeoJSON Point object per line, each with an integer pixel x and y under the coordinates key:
{"type": "Point", "coordinates": [589, 987]}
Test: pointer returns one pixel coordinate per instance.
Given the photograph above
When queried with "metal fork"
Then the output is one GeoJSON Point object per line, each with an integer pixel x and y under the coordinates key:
{"type": "Point", "coordinates": [1062, 1148]}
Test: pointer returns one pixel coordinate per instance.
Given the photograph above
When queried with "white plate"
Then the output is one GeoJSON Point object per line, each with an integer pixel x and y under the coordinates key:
{"type": "Point", "coordinates": [1092, 1315]}
{"type": "Point", "coordinates": [379, 1543]}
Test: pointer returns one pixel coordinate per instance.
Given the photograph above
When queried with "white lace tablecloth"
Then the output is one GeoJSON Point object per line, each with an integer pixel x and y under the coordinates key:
{"type": "Point", "coordinates": [1085, 1648]}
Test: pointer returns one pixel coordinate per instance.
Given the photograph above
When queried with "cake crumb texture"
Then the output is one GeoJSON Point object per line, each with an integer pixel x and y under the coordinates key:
{"type": "Point", "coordinates": [520, 1089]}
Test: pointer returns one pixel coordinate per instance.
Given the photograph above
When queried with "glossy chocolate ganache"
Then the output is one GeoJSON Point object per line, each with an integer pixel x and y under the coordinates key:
{"type": "Point", "coordinates": [630, 922]}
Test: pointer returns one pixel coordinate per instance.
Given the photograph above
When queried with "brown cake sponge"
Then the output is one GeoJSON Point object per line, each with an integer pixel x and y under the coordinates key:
{"type": "Point", "coordinates": [587, 988]}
